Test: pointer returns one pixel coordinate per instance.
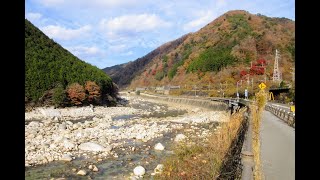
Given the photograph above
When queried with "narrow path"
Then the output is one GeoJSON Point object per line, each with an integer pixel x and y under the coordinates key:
{"type": "Point", "coordinates": [277, 148]}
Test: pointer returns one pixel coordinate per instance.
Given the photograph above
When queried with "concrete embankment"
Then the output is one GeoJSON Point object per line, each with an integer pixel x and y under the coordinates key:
{"type": "Point", "coordinates": [203, 103]}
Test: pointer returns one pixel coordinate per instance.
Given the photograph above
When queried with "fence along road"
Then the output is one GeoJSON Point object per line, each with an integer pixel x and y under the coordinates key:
{"type": "Point", "coordinates": [277, 148]}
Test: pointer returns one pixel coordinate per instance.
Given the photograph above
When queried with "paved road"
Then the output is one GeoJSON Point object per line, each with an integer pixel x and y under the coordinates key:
{"type": "Point", "coordinates": [277, 148]}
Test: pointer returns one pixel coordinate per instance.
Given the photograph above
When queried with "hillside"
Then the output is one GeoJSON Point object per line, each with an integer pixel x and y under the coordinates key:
{"type": "Point", "coordinates": [220, 51]}
{"type": "Point", "coordinates": [124, 73]}
{"type": "Point", "coordinates": [48, 65]}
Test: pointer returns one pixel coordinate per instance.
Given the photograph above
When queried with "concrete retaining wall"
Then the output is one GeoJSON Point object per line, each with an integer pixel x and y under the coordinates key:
{"type": "Point", "coordinates": [204, 103]}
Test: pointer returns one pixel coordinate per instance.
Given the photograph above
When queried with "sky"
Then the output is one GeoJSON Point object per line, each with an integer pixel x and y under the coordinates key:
{"type": "Point", "coordinates": [110, 32]}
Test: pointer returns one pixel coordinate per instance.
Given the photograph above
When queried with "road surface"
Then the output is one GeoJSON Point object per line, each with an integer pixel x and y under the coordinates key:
{"type": "Point", "coordinates": [277, 148]}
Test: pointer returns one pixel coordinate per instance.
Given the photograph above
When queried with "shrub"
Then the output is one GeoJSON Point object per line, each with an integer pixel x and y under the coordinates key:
{"type": "Point", "coordinates": [59, 96]}
{"type": "Point", "coordinates": [76, 94]}
{"type": "Point", "coordinates": [93, 92]}
{"type": "Point", "coordinates": [160, 75]}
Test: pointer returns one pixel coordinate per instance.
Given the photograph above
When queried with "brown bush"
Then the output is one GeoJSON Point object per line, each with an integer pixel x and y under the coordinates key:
{"type": "Point", "coordinates": [76, 93]}
{"type": "Point", "coordinates": [93, 91]}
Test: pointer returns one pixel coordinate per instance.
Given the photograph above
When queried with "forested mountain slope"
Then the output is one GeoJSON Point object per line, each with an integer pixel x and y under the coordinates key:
{"type": "Point", "coordinates": [222, 52]}
{"type": "Point", "coordinates": [48, 65]}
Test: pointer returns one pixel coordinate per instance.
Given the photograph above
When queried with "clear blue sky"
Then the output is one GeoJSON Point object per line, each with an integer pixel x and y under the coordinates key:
{"type": "Point", "coordinates": [109, 32]}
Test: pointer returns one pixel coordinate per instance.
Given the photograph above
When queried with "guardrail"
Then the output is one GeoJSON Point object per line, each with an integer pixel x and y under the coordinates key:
{"type": "Point", "coordinates": [285, 115]}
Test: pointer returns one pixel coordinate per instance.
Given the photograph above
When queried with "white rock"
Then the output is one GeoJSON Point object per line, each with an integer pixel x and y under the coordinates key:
{"type": "Point", "coordinates": [107, 117]}
{"type": "Point", "coordinates": [33, 124]}
{"type": "Point", "coordinates": [82, 172]}
{"type": "Point", "coordinates": [68, 145]}
{"type": "Point", "coordinates": [90, 146]}
{"type": "Point", "coordinates": [139, 171]}
{"type": "Point", "coordinates": [159, 146]}
{"type": "Point", "coordinates": [95, 169]}
{"type": "Point", "coordinates": [179, 137]}
{"type": "Point", "coordinates": [140, 136]}
{"type": "Point", "coordinates": [66, 157]}
{"type": "Point", "coordinates": [62, 126]}
{"type": "Point", "coordinates": [90, 166]}
{"type": "Point", "coordinates": [50, 112]}
{"type": "Point", "coordinates": [159, 168]}
{"type": "Point", "coordinates": [108, 148]}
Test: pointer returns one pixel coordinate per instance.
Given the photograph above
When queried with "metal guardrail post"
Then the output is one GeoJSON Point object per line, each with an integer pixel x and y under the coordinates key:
{"type": "Point", "coordinates": [246, 153]}
{"type": "Point", "coordinates": [288, 117]}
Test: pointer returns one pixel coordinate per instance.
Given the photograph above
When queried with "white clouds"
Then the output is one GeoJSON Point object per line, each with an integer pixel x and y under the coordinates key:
{"type": "Point", "coordinates": [221, 3]}
{"type": "Point", "coordinates": [132, 28]}
{"type": "Point", "coordinates": [96, 4]}
{"type": "Point", "coordinates": [51, 2]}
{"type": "Point", "coordinates": [205, 17]}
{"type": "Point", "coordinates": [117, 48]}
{"type": "Point", "coordinates": [61, 33]}
{"type": "Point", "coordinates": [129, 53]}
{"type": "Point", "coordinates": [113, 3]}
{"type": "Point", "coordinates": [83, 50]}
{"type": "Point", "coordinates": [33, 16]}
{"type": "Point", "coordinates": [132, 24]}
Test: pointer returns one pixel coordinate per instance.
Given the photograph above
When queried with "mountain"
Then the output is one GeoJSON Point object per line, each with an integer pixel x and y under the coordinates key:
{"type": "Point", "coordinates": [124, 73]}
{"type": "Point", "coordinates": [48, 65]}
{"type": "Point", "coordinates": [220, 52]}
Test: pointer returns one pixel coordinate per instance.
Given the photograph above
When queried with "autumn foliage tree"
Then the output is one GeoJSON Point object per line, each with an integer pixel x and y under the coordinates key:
{"type": "Point", "coordinates": [76, 93]}
{"type": "Point", "coordinates": [93, 91]}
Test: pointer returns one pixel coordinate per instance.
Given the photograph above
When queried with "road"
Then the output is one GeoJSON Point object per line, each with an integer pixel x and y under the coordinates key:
{"type": "Point", "coordinates": [277, 148]}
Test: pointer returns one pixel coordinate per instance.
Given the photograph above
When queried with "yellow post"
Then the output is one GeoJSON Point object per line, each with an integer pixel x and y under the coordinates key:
{"type": "Point", "coordinates": [271, 97]}
{"type": "Point", "coordinates": [292, 108]}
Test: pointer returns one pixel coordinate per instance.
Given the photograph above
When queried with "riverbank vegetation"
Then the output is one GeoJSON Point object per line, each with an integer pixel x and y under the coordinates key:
{"type": "Point", "coordinates": [209, 159]}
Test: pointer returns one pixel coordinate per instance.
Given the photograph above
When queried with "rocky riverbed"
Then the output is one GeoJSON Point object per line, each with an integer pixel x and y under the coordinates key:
{"type": "Point", "coordinates": [109, 142]}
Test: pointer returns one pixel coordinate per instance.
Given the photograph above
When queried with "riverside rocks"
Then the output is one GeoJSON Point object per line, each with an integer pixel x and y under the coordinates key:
{"type": "Point", "coordinates": [78, 130]}
{"type": "Point", "coordinates": [159, 169]}
{"type": "Point", "coordinates": [179, 137]}
{"type": "Point", "coordinates": [159, 147]}
{"type": "Point", "coordinates": [90, 146]}
{"type": "Point", "coordinates": [139, 171]}
{"type": "Point", "coordinates": [66, 157]}
{"type": "Point", "coordinates": [82, 172]}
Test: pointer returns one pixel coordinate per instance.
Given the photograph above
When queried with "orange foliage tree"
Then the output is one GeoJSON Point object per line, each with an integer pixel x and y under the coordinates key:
{"type": "Point", "coordinates": [93, 91]}
{"type": "Point", "coordinates": [76, 93]}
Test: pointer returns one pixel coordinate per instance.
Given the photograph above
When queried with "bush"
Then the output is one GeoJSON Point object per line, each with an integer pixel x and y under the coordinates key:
{"type": "Point", "coordinates": [212, 59]}
{"type": "Point", "coordinates": [160, 75]}
{"type": "Point", "coordinates": [59, 96]}
{"type": "Point", "coordinates": [138, 92]}
{"type": "Point", "coordinates": [93, 92]}
{"type": "Point", "coordinates": [76, 94]}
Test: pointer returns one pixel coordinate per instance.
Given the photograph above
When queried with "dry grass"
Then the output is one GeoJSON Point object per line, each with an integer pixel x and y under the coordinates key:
{"type": "Point", "coordinates": [256, 112]}
{"type": "Point", "coordinates": [203, 159]}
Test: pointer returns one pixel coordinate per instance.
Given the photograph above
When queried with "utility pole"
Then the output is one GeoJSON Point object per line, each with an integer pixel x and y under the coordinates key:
{"type": "Point", "coordinates": [293, 78]}
{"type": "Point", "coordinates": [276, 71]}
{"type": "Point", "coordinates": [252, 84]}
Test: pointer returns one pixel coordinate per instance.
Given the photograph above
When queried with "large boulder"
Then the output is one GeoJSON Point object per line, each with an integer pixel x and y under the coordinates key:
{"type": "Point", "coordinates": [159, 147]}
{"type": "Point", "coordinates": [82, 172]}
{"type": "Point", "coordinates": [90, 146]}
{"type": "Point", "coordinates": [50, 112]}
{"type": "Point", "coordinates": [66, 157]}
{"type": "Point", "coordinates": [139, 171]}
